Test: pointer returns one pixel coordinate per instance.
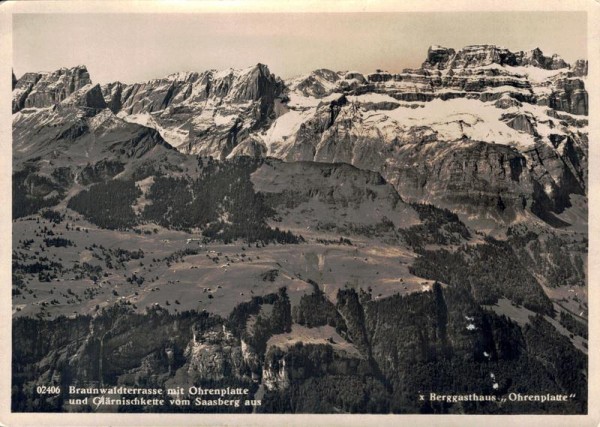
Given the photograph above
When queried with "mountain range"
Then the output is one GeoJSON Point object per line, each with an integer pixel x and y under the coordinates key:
{"type": "Point", "coordinates": [524, 110]}
{"type": "Point", "coordinates": [380, 230]}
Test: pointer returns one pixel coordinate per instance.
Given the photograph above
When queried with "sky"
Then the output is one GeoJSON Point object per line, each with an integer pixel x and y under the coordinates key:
{"type": "Point", "coordinates": [139, 47]}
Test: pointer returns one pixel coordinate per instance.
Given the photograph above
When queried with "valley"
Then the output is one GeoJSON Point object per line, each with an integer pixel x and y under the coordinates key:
{"type": "Point", "coordinates": [334, 242]}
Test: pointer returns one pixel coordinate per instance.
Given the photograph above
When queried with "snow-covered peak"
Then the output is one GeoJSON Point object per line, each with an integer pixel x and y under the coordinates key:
{"type": "Point", "coordinates": [317, 84]}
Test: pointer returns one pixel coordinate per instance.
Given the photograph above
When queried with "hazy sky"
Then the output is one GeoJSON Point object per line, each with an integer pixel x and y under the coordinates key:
{"type": "Point", "coordinates": [138, 47]}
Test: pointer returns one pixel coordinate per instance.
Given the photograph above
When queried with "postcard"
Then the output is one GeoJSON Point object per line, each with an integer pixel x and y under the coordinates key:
{"type": "Point", "coordinates": [349, 213]}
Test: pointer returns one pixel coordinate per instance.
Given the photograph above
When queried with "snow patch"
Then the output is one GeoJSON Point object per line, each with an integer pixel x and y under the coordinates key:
{"type": "Point", "coordinates": [224, 120]}
{"type": "Point", "coordinates": [536, 74]}
{"type": "Point", "coordinates": [372, 97]}
{"type": "Point", "coordinates": [455, 119]}
{"type": "Point", "coordinates": [284, 128]}
{"type": "Point", "coordinates": [174, 136]}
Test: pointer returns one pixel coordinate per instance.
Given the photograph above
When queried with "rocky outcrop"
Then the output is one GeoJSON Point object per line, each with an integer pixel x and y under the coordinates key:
{"type": "Point", "coordinates": [151, 96]}
{"type": "Point", "coordinates": [380, 77]}
{"type": "Point", "coordinates": [276, 375]}
{"type": "Point", "coordinates": [580, 68]}
{"type": "Point", "coordinates": [22, 88]}
{"type": "Point", "coordinates": [318, 84]}
{"type": "Point", "coordinates": [254, 84]}
{"type": "Point", "coordinates": [440, 58]}
{"type": "Point", "coordinates": [89, 98]}
{"type": "Point", "coordinates": [521, 122]}
{"type": "Point", "coordinates": [536, 58]}
{"type": "Point", "coordinates": [113, 93]}
{"type": "Point", "coordinates": [557, 173]}
{"type": "Point", "coordinates": [470, 56]}
{"type": "Point", "coordinates": [482, 55]}
{"type": "Point", "coordinates": [213, 356]}
{"type": "Point", "coordinates": [353, 75]}
{"type": "Point", "coordinates": [506, 102]}
{"type": "Point", "coordinates": [51, 88]}
{"type": "Point", "coordinates": [569, 94]}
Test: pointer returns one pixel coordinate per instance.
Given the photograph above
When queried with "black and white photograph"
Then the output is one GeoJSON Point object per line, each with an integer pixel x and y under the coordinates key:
{"type": "Point", "coordinates": [294, 212]}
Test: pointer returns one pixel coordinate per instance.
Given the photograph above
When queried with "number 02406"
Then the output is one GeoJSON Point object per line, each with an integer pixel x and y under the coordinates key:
{"type": "Point", "coordinates": [53, 389]}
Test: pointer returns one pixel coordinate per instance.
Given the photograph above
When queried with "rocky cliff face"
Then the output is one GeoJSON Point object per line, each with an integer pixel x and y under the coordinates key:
{"type": "Point", "coordinates": [439, 57]}
{"type": "Point", "coordinates": [468, 57]}
{"type": "Point", "coordinates": [207, 113]}
{"type": "Point", "coordinates": [580, 68]}
{"type": "Point", "coordinates": [569, 94]}
{"type": "Point", "coordinates": [40, 90]}
{"type": "Point", "coordinates": [214, 356]}
{"type": "Point", "coordinates": [485, 156]}
{"type": "Point", "coordinates": [22, 88]}
{"type": "Point", "coordinates": [504, 107]}
{"type": "Point", "coordinates": [536, 58]}
{"type": "Point", "coordinates": [80, 120]}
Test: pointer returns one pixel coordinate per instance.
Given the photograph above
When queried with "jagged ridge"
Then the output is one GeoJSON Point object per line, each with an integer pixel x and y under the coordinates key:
{"type": "Point", "coordinates": [479, 101]}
